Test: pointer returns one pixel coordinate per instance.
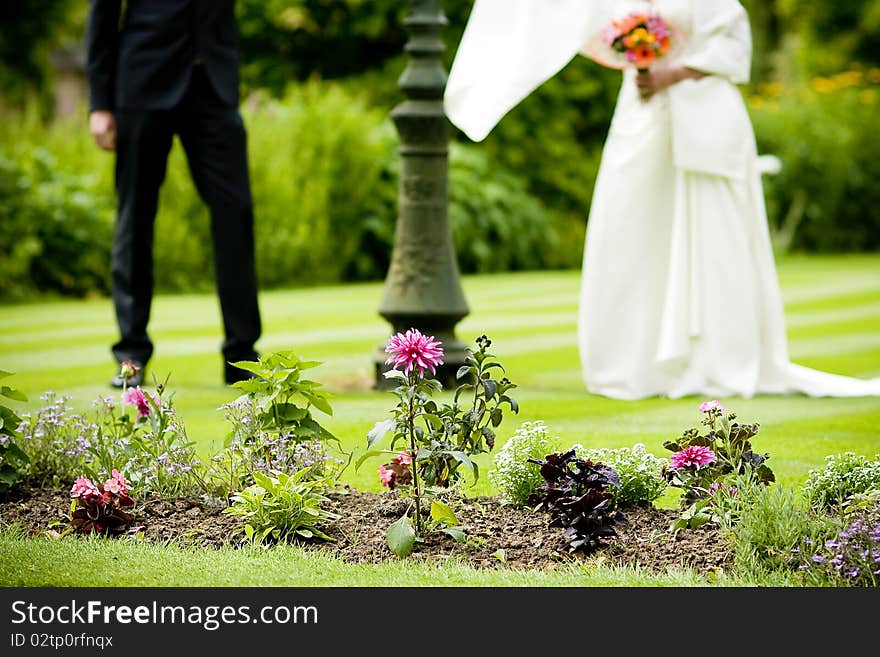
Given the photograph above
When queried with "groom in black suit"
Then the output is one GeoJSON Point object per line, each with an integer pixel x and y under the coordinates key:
{"type": "Point", "coordinates": [156, 69]}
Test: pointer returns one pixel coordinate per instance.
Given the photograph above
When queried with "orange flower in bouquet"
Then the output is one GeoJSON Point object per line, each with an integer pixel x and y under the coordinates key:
{"type": "Point", "coordinates": [634, 41]}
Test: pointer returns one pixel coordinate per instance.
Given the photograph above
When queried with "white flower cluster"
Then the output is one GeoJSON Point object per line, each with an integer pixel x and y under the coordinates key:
{"type": "Point", "coordinates": [514, 476]}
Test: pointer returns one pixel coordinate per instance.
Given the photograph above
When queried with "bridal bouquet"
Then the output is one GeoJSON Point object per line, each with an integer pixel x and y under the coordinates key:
{"type": "Point", "coordinates": [636, 40]}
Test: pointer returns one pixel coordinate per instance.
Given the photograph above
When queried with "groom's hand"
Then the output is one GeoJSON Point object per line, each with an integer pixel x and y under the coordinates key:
{"type": "Point", "coordinates": [102, 125]}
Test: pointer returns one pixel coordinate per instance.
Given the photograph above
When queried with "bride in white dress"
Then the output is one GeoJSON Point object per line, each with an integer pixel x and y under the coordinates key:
{"type": "Point", "coordinates": [679, 292]}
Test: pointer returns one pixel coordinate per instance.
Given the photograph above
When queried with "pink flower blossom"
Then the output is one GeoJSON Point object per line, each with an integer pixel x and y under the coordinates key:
{"type": "Point", "coordinates": [713, 405]}
{"type": "Point", "coordinates": [403, 458]}
{"type": "Point", "coordinates": [695, 455]}
{"type": "Point", "coordinates": [138, 398]}
{"type": "Point", "coordinates": [413, 349]}
{"type": "Point", "coordinates": [385, 476]}
{"type": "Point", "coordinates": [117, 484]}
{"type": "Point", "coordinates": [84, 487]}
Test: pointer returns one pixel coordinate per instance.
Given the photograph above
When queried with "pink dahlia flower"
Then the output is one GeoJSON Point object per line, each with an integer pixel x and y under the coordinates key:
{"type": "Point", "coordinates": [695, 455]}
{"type": "Point", "coordinates": [713, 405]}
{"type": "Point", "coordinates": [403, 458]}
{"type": "Point", "coordinates": [414, 349]}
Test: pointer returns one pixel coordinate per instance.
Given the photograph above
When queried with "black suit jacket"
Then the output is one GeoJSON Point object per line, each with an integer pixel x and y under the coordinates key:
{"type": "Point", "coordinates": [143, 57]}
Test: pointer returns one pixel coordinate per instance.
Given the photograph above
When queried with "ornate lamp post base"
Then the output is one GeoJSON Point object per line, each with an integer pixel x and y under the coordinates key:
{"type": "Point", "coordinates": [423, 287]}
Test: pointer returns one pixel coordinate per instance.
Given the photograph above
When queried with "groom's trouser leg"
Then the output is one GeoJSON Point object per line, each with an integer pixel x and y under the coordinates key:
{"type": "Point", "coordinates": [143, 142]}
{"type": "Point", "coordinates": [214, 138]}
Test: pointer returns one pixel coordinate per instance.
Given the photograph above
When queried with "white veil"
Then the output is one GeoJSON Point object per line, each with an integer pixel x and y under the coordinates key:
{"type": "Point", "coordinates": [508, 49]}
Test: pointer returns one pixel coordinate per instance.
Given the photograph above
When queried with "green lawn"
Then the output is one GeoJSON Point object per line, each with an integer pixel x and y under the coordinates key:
{"type": "Point", "coordinates": [833, 315]}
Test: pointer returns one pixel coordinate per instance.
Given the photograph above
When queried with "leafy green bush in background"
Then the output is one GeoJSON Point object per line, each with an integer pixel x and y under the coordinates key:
{"type": "Point", "coordinates": [827, 136]}
{"type": "Point", "coordinates": [324, 177]}
{"type": "Point", "coordinates": [55, 227]}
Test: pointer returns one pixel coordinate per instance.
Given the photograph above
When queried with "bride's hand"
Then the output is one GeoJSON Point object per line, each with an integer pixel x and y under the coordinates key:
{"type": "Point", "coordinates": [652, 82]}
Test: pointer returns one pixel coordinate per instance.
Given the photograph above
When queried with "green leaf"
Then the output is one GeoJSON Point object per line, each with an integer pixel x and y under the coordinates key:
{"type": "Point", "coordinates": [12, 393]}
{"type": "Point", "coordinates": [290, 412]}
{"type": "Point", "coordinates": [320, 402]}
{"type": "Point", "coordinates": [455, 533]}
{"type": "Point", "coordinates": [380, 430]}
{"type": "Point", "coordinates": [464, 459]}
{"type": "Point", "coordinates": [9, 420]}
{"type": "Point", "coordinates": [249, 366]}
{"type": "Point", "coordinates": [8, 475]}
{"type": "Point", "coordinates": [443, 513]}
{"type": "Point", "coordinates": [500, 554]}
{"type": "Point", "coordinates": [365, 456]}
{"type": "Point", "coordinates": [13, 451]}
{"type": "Point", "coordinates": [489, 386]}
{"type": "Point", "coordinates": [433, 420]}
{"type": "Point", "coordinates": [462, 372]}
{"type": "Point", "coordinates": [401, 537]}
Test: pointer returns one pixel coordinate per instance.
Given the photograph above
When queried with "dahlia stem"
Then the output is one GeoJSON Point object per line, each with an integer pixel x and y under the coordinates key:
{"type": "Point", "coordinates": [412, 447]}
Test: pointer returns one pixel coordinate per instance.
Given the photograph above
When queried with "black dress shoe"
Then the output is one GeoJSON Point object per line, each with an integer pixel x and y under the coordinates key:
{"type": "Point", "coordinates": [130, 375]}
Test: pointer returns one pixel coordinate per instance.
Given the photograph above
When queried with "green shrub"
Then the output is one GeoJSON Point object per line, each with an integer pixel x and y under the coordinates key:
{"type": "Point", "coordinates": [843, 475]}
{"type": "Point", "coordinates": [324, 176]}
{"type": "Point", "coordinates": [498, 225]}
{"type": "Point", "coordinates": [851, 555]}
{"type": "Point", "coordinates": [281, 506]}
{"type": "Point", "coordinates": [513, 475]}
{"type": "Point", "coordinates": [13, 459]}
{"type": "Point", "coordinates": [773, 521]}
{"type": "Point", "coordinates": [827, 136]}
{"type": "Point", "coordinates": [641, 478]}
{"type": "Point", "coordinates": [55, 228]}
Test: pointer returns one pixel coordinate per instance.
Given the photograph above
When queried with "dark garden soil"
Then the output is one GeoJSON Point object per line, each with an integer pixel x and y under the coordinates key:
{"type": "Point", "coordinates": [498, 536]}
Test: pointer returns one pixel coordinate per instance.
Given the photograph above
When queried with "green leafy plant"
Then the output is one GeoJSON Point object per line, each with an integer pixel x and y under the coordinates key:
{"type": "Point", "coordinates": [852, 556]}
{"type": "Point", "coordinates": [842, 476]}
{"type": "Point", "coordinates": [272, 425]}
{"type": "Point", "coordinates": [439, 439]}
{"type": "Point", "coordinates": [56, 440]}
{"type": "Point", "coordinates": [143, 434]}
{"type": "Point", "coordinates": [639, 471]}
{"type": "Point", "coordinates": [280, 506]}
{"type": "Point", "coordinates": [12, 458]}
{"type": "Point", "coordinates": [705, 464]}
{"type": "Point", "coordinates": [576, 494]}
{"type": "Point", "coordinates": [515, 477]}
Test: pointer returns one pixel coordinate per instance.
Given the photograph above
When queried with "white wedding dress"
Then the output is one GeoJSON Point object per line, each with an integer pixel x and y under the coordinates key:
{"type": "Point", "coordinates": [679, 290]}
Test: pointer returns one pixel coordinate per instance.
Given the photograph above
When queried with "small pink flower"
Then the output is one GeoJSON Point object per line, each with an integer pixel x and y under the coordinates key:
{"type": "Point", "coordinates": [717, 486]}
{"type": "Point", "coordinates": [413, 349]}
{"type": "Point", "coordinates": [138, 398]}
{"type": "Point", "coordinates": [385, 476]}
{"type": "Point", "coordinates": [117, 484]}
{"type": "Point", "coordinates": [84, 487]}
{"type": "Point", "coordinates": [403, 458]}
{"type": "Point", "coordinates": [695, 455]}
{"type": "Point", "coordinates": [713, 405]}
